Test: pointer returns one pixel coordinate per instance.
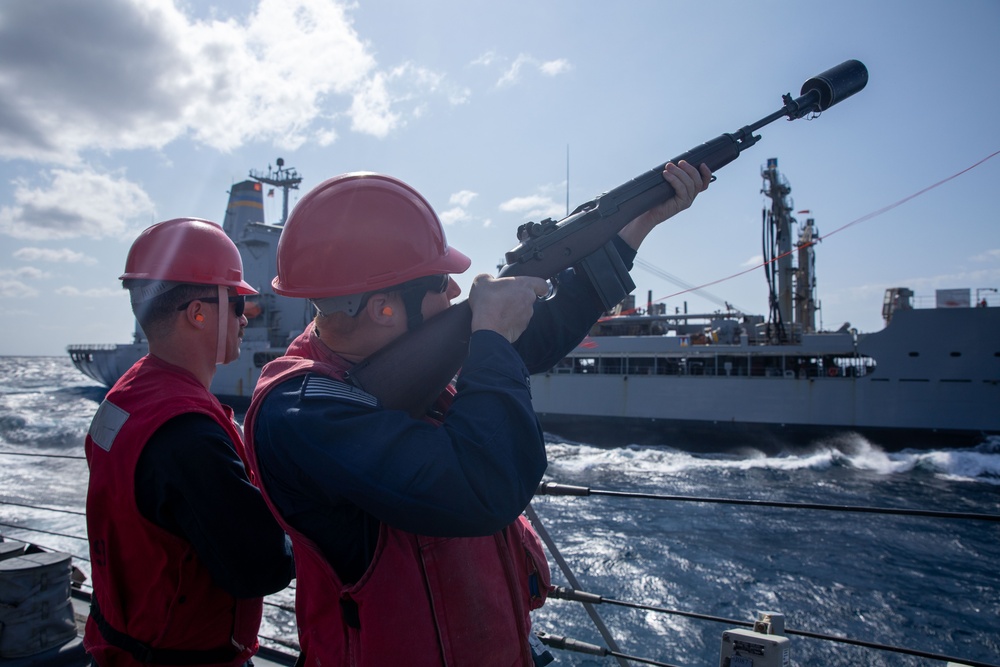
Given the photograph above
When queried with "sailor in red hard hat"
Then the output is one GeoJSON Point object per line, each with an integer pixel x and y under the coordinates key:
{"type": "Point", "coordinates": [182, 546]}
{"type": "Point", "coordinates": [409, 541]}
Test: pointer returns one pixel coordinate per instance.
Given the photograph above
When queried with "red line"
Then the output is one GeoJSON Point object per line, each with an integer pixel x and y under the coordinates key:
{"type": "Point", "coordinates": [863, 218]}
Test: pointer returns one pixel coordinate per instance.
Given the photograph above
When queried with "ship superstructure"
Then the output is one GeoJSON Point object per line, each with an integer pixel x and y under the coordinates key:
{"type": "Point", "coordinates": [708, 381]}
{"type": "Point", "coordinates": [273, 320]}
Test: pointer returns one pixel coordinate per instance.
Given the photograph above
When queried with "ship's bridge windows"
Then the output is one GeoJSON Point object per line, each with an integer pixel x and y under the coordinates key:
{"type": "Point", "coordinates": [851, 366]}
{"type": "Point", "coordinates": [746, 365]}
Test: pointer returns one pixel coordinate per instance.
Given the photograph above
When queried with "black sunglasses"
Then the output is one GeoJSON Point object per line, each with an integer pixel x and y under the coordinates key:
{"type": "Point", "coordinates": [240, 301]}
{"type": "Point", "coordinates": [437, 284]}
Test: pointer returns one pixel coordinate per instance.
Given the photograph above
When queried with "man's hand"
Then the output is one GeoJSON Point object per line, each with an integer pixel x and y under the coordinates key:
{"type": "Point", "coordinates": [504, 305]}
{"type": "Point", "coordinates": [687, 182]}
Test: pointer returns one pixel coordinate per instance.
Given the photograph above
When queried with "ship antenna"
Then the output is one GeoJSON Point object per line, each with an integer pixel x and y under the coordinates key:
{"type": "Point", "coordinates": [567, 179]}
{"type": "Point", "coordinates": [286, 179]}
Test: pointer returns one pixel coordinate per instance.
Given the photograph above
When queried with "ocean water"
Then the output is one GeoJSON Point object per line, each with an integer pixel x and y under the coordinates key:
{"type": "Point", "coordinates": [926, 584]}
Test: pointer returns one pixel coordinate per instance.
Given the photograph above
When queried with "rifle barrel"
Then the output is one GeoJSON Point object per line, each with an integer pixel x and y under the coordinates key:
{"type": "Point", "coordinates": [410, 372]}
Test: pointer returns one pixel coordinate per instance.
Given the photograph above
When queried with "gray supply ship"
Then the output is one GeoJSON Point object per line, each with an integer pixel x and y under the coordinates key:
{"type": "Point", "coordinates": [273, 320]}
{"type": "Point", "coordinates": [699, 382]}
{"type": "Point", "coordinates": [714, 381]}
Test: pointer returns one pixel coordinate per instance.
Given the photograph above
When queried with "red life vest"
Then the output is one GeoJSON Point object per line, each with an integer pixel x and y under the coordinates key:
{"type": "Point", "coordinates": [423, 601]}
{"type": "Point", "coordinates": [150, 587]}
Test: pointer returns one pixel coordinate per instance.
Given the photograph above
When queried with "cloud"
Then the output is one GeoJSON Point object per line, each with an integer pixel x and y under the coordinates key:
{"type": "Point", "coordinates": [925, 287]}
{"type": "Point", "coordinates": [73, 204]}
{"type": "Point", "coordinates": [512, 74]}
{"type": "Point", "coordinates": [460, 202]}
{"type": "Point", "coordinates": [371, 110]}
{"type": "Point", "coordinates": [555, 67]}
{"type": "Point", "coordinates": [54, 255]}
{"type": "Point", "coordinates": [453, 215]}
{"type": "Point", "coordinates": [130, 74]}
{"type": "Point", "coordinates": [462, 197]}
{"type": "Point", "coordinates": [16, 289]}
{"type": "Point", "coordinates": [486, 59]}
{"type": "Point", "coordinates": [24, 273]}
{"type": "Point", "coordinates": [535, 207]}
{"type": "Point", "coordinates": [95, 293]}
{"type": "Point", "coordinates": [992, 255]}
{"type": "Point", "coordinates": [756, 260]}
{"type": "Point", "coordinates": [378, 104]}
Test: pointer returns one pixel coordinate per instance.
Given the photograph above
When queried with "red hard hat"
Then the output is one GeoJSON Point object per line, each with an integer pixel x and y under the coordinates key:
{"type": "Point", "coordinates": [186, 250]}
{"type": "Point", "coordinates": [361, 232]}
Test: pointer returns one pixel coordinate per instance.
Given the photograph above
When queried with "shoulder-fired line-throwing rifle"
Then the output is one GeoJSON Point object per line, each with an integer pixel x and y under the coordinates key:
{"type": "Point", "coordinates": [409, 373]}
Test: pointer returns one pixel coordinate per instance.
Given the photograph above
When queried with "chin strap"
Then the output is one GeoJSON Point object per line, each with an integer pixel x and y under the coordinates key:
{"type": "Point", "coordinates": [413, 302]}
{"type": "Point", "coordinates": [220, 349]}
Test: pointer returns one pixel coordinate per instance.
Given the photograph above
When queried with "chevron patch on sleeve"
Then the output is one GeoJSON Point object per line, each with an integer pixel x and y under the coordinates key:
{"type": "Point", "coordinates": [321, 387]}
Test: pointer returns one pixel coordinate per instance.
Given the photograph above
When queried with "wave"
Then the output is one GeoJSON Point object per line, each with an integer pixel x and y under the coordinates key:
{"type": "Point", "coordinates": [977, 464]}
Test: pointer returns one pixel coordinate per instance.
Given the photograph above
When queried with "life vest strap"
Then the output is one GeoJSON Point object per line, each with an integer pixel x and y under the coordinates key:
{"type": "Point", "coordinates": [147, 654]}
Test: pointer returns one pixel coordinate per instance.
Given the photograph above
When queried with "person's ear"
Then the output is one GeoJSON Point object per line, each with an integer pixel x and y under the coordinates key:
{"type": "Point", "coordinates": [380, 309]}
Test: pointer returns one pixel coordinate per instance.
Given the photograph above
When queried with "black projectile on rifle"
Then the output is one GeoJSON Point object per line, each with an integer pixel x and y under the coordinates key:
{"type": "Point", "coordinates": [409, 373]}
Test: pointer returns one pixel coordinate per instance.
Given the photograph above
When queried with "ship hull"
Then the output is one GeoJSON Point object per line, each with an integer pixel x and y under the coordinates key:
{"type": "Point", "coordinates": [932, 379]}
{"type": "Point", "coordinates": [233, 382]}
{"type": "Point", "coordinates": [734, 436]}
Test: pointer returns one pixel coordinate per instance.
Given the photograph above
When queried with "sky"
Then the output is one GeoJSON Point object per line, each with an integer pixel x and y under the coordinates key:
{"type": "Point", "coordinates": [115, 114]}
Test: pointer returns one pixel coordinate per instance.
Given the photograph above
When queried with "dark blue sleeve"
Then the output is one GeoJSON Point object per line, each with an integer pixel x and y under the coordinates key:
{"type": "Point", "coordinates": [190, 481]}
{"type": "Point", "coordinates": [559, 324]}
{"type": "Point", "coordinates": [470, 476]}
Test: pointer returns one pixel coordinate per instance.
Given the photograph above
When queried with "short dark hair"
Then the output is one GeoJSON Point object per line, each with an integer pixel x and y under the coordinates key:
{"type": "Point", "coordinates": [155, 315]}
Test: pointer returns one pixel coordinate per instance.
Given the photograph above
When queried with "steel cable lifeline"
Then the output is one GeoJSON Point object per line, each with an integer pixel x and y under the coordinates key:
{"type": "Point", "coordinates": [566, 643]}
{"type": "Point", "coordinates": [536, 522]}
{"type": "Point", "coordinates": [556, 489]}
{"type": "Point", "coordinates": [553, 488]}
{"type": "Point", "coordinates": [59, 510]}
{"type": "Point", "coordinates": [266, 603]}
{"type": "Point", "coordinates": [576, 646]}
{"type": "Point", "coordinates": [589, 599]}
{"type": "Point", "coordinates": [39, 530]}
{"type": "Point", "coordinates": [592, 598]}
{"type": "Point", "coordinates": [46, 456]}
{"type": "Point", "coordinates": [40, 507]}
{"type": "Point", "coordinates": [86, 596]}
{"type": "Point", "coordinates": [85, 559]}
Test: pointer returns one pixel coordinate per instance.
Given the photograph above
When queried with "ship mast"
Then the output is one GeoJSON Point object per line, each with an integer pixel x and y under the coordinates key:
{"type": "Point", "coordinates": [805, 276]}
{"type": "Point", "coordinates": [791, 289]}
{"type": "Point", "coordinates": [286, 179]}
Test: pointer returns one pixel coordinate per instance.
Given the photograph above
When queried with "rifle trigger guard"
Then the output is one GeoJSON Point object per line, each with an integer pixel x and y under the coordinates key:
{"type": "Point", "coordinates": [553, 288]}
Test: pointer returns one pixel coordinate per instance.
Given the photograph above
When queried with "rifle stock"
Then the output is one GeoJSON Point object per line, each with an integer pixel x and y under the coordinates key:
{"type": "Point", "coordinates": [409, 373]}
